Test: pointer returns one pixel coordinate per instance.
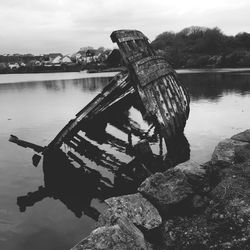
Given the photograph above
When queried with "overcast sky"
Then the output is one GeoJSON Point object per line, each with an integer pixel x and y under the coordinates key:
{"type": "Point", "coordinates": [41, 26]}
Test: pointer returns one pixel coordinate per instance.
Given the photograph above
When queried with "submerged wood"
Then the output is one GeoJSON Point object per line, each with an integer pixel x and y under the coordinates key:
{"type": "Point", "coordinates": [26, 144]}
{"type": "Point", "coordinates": [118, 88]}
{"type": "Point", "coordinates": [149, 84]}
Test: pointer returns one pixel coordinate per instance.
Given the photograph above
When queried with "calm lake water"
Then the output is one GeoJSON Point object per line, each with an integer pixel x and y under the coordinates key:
{"type": "Point", "coordinates": [35, 108]}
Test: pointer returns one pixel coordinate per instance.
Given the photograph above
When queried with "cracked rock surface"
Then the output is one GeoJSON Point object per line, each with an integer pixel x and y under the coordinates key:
{"type": "Point", "coordinates": [135, 207]}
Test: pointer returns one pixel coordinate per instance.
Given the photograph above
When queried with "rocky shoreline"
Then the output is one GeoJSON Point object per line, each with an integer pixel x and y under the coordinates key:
{"type": "Point", "coordinates": [190, 206]}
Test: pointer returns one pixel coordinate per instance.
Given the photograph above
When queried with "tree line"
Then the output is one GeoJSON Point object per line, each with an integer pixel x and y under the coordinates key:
{"type": "Point", "coordinates": [200, 47]}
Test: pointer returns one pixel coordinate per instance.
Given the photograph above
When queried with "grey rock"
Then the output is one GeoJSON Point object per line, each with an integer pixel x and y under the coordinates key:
{"type": "Point", "coordinates": [243, 136]}
{"type": "Point", "coordinates": [135, 207]}
{"type": "Point", "coordinates": [191, 168]}
{"type": "Point", "coordinates": [196, 175]}
{"type": "Point", "coordinates": [225, 152]}
{"type": "Point", "coordinates": [122, 235]}
{"type": "Point", "coordinates": [205, 230]}
{"type": "Point", "coordinates": [166, 189]}
{"type": "Point", "coordinates": [242, 153]}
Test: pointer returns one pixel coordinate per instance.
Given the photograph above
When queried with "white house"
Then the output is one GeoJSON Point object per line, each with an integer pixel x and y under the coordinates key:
{"type": "Point", "coordinates": [57, 60]}
{"type": "Point", "coordinates": [66, 59]}
{"type": "Point", "coordinates": [13, 65]}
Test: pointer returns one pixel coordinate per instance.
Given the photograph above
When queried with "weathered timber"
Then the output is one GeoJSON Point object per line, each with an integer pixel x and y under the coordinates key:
{"type": "Point", "coordinates": [26, 144]}
{"type": "Point", "coordinates": [164, 98]}
{"type": "Point", "coordinates": [88, 169]}
{"type": "Point", "coordinates": [133, 45]}
{"type": "Point", "coordinates": [94, 153]}
{"type": "Point", "coordinates": [118, 88]}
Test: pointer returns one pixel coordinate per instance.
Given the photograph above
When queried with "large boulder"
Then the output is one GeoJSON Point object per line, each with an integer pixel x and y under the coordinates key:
{"type": "Point", "coordinates": [196, 175]}
{"type": "Point", "coordinates": [243, 136]}
{"type": "Point", "coordinates": [191, 169]}
{"type": "Point", "coordinates": [224, 224]}
{"type": "Point", "coordinates": [226, 152]}
{"type": "Point", "coordinates": [167, 189]}
{"type": "Point", "coordinates": [135, 207]}
{"type": "Point", "coordinates": [242, 153]}
{"type": "Point", "coordinates": [123, 235]}
{"type": "Point", "coordinates": [227, 230]}
{"type": "Point", "coordinates": [225, 219]}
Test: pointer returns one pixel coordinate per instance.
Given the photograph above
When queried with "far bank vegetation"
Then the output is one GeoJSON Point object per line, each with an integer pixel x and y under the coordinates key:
{"type": "Point", "coordinates": [200, 47]}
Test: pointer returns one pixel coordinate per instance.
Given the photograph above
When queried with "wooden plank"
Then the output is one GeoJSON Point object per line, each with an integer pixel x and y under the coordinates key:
{"type": "Point", "coordinates": [171, 99]}
{"type": "Point", "coordinates": [119, 87]}
{"type": "Point", "coordinates": [164, 98]}
{"type": "Point", "coordinates": [163, 111]}
{"type": "Point", "coordinates": [151, 68]}
{"type": "Point", "coordinates": [26, 144]}
{"type": "Point", "coordinates": [126, 35]}
{"type": "Point", "coordinates": [169, 113]}
{"type": "Point", "coordinates": [129, 53]}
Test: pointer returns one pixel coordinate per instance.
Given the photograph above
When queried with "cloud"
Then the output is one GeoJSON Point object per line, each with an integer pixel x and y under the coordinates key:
{"type": "Point", "coordinates": [39, 26]}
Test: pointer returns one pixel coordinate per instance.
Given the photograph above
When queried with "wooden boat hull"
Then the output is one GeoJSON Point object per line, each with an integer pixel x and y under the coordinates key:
{"type": "Point", "coordinates": [164, 98]}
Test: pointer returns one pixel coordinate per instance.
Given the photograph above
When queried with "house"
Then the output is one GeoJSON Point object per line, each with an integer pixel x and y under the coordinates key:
{"type": "Point", "coordinates": [38, 63]}
{"type": "Point", "coordinates": [13, 65]}
{"type": "Point", "coordinates": [91, 56]}
{"type": "Point", "coordinates": [86, 55]}
{"type": "Point", "coordinates": [80, 55]}
{"type": "Point", "coordinates": [52, 56]}
{"type": "Point", "coordinates": [90, 53]}
{"type": "Point", "coordinates": [66, 59]}
{"type": "Point", "coordinates": [22, 64]}
{"type": "Point", "coordinates": [57, 60]}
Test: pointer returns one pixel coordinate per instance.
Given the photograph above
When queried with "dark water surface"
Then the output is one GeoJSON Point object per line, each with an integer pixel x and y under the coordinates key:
{"type": "Point", "coordinates": [36, 111]}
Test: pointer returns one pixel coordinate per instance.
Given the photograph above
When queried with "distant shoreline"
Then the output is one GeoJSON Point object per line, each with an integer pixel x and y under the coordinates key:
{"type": "Point", "coordinates": [59, 76]}
{"type": "Point", "coordinates": [38, 77]}
{"type": "Point", "coordinates": [211, 70]}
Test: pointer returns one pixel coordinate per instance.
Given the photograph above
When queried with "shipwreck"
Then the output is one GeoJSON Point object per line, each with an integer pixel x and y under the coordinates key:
{"type": "Point", "coordinates": [151, 87]}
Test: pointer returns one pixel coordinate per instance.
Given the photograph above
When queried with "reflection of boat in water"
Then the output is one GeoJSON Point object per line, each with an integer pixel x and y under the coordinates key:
{"type": "Point", "coordinates": [76, 186]}
{"type": "Point", "coordinates": [120, 131]}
